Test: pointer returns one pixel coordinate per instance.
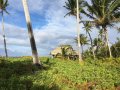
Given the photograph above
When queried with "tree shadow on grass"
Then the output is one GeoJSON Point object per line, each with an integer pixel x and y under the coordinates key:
{"type": "Point", "coordinates": [21, 67]}
{"type": "Point", "coordinates": [15, 83]}
{"type": "Point", "coordinates": [11, 73]}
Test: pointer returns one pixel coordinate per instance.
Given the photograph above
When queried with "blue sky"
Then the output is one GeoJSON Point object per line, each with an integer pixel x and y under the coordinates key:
{"type": "Point", "coordinates": [50, 27]}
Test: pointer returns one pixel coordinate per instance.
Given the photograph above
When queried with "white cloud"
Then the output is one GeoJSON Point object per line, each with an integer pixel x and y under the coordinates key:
{"type": "Point", "coordinates": [35, 5]}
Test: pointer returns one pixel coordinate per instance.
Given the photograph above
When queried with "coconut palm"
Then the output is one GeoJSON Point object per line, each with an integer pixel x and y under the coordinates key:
{"type": "Point", "coordinates": [31, 35]}
{"type": "Point", "coordinates": [83, 41]}
{"type": "Point", "coordinates": [97, 42]}
{"type": "Point", "coordinates": [101, 34]}
{"type": "Point", "coordinates": [104, 13]}
{"type": "Point", "coordinates": [70, 5]}
{"type": "Point", "coordinates": [87, 27]}
{"type": "Point", "coordinates": [3, 5]}
{"type": "Point", "coordinates": [73, 7]}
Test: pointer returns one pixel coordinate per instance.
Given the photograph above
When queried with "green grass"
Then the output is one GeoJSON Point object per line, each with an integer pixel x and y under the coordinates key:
{"type": "Point", "coordinates": [20, 74]}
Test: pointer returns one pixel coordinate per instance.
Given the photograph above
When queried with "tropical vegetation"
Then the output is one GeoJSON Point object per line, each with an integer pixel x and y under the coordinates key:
{"type": "Point", "coordinates": [104, 13]}
{"type": "Point", "coordinates": [57, 74]}
{"type": "Point", "coordinates": [94, 65]}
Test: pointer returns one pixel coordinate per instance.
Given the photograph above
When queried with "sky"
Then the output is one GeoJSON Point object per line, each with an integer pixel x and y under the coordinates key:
{"type": "Point", "coordinates": [50, 27]}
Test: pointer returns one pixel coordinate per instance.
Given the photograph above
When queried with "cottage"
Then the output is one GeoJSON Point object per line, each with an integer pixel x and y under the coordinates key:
{"type": "Point", "coordinates": [65, 51]}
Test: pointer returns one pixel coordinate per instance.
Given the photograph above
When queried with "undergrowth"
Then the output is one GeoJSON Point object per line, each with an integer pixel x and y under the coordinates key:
{"type": "Point", "coordinates": [20, 74]}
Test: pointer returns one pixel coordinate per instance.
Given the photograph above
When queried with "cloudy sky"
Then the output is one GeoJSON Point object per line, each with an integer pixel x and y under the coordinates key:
{"type": "Point", "coordinates": [50, 27]}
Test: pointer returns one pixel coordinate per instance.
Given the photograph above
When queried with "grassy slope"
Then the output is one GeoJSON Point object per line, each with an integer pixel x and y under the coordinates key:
{"type": "Point", "coordinates": [20, 74]}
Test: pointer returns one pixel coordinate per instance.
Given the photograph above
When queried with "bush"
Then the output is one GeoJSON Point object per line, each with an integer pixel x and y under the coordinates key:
{"type": "Point", "coordinates": [115, 48]}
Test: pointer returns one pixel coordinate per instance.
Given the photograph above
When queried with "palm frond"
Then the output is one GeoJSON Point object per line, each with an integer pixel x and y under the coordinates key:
{"type": "Point", "coordinates": [71, 6]}
{"type": "Point", "coordinates": [3, 5]}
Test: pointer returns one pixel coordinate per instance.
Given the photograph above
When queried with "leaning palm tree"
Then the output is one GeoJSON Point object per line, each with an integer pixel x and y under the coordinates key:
{"type": "Point", "coordinates": [3, 5]}
{"type": "Point", "coordinates": [87, 27]}
{"type": "Point", "coordinates": [74, 9]}
{"type": "Point", "coordinates": [31, 35]}
{"type": "Point", "coordinates": [104, 13]}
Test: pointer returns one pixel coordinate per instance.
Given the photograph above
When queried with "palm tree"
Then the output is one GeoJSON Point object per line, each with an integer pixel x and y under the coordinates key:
{"type": "Point", "coordinates": [104, 13]}
{"type": "Point", "coordinates": [87, 27]}
{"type": "Point", "coordinates": [31, 35]}
{"type": "Point", "coordinates": [74, 9]}
{"type": "Point", "coordinates": [3, 5]}
{"type": "Point", "coordinates": [83, 41]}
{"type": "Point", "coordinates": [97, 42]}
{"type": "Point", "coordinates": [101, 34]}
{"type": "Point", "coordinates": [71, 6]}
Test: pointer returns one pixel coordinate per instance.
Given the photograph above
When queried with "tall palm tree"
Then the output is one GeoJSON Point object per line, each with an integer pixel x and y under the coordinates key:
{"type": "Point", "coordinates": [3, 5]}
{"type": "Point", "coordinates": [78, 31]}
{"type": "Point", "coordinates": [74, 9]}
{"type": "Point", "coordinates": [31, 35]}
{"type": "Point", "coordinates": [104, 13]}
{"type": "Point", "coordinates": [70, 5]}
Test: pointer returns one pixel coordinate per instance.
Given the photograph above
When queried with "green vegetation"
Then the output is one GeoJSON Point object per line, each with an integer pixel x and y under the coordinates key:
{"type": "Point", "coordinates": [116, 48]}
{"type": "Point", "coordinates": [102, 14]}
{"type": "Point", "coordinates": [102, 52]}
{"type": "Point", "coordinates": [97, 72]}
{"type": "Point", "coordinates": [83, 41]}
{"type": "Point", "coordinates": [57, 74]}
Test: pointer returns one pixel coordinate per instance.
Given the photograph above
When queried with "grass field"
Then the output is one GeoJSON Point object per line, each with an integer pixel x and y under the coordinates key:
{"type": "Point", "coordinates": [57, 74]}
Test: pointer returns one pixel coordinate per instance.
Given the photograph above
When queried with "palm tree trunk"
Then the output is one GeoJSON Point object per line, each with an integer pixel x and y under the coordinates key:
{"type": "Point", "coordinates": [93, 52]}
{"type": "Point", "coordinates": [90, 39]}
{"type": "Point", "coordinates": [101, 35]}
{"type": "Point", "coordinates": [31, 35]}
{"type": "Point", "coordinates": [78, 33]}
{"type": "Point", "coordinates": [82, 49]}
{"type": "Point", "coordinates": [91, 45]}
{"type": "Point", "coordinates": [107, 41]}
{"type": "Point", "coordinates": [5, 45]}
